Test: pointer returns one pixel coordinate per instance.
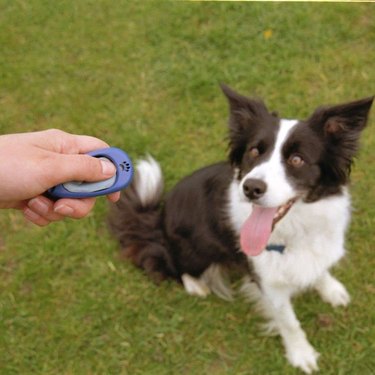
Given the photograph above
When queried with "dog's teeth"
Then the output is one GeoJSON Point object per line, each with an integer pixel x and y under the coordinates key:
{"type": "Point", "coordinates": [282, 210]}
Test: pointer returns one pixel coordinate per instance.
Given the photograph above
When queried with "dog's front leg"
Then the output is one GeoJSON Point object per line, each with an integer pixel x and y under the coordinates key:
{"type": "Point", "coordinates": [299, 351]}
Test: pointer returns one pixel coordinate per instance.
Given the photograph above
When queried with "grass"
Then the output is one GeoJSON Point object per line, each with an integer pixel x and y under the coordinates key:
{"type": "Point", "coordinates": [144, 77]}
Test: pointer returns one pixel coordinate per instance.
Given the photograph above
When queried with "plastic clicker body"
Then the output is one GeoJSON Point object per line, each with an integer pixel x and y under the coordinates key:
{"type": "Point", "coordinates": [83, 189]}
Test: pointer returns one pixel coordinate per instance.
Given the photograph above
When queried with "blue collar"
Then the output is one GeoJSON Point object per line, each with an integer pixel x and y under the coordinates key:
{"type": "Point", "coordinates": [279, 248]}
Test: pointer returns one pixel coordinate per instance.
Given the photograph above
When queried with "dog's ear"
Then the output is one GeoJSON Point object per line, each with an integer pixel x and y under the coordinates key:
{"type": "Point", "coordinates": [341, 119]}
{"type": "Point", "coordinates": [340, 127]}
{"type": "Point", "coordinates": [245, 116]}
{"type": "Point", "coordinates": [241, 106]}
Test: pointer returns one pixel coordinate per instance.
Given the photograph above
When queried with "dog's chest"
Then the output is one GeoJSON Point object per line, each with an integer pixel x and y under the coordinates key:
{"type": "Point", "coordinates": [312, 234]}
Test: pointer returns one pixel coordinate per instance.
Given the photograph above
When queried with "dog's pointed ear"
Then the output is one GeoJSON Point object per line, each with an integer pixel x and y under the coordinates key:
{"type": "Point", "coordinates": [245, 116]}
{"type": "Point", "coordinates": [340, 126]}
{"type": "Point", "coordinates": [340, 119]}
{"type": "Point", "coordinates": [239, 103]}
{"type": "Point", "coordinates": [244, 112]}
{"type": "Point", "coordinates": [236, 101]}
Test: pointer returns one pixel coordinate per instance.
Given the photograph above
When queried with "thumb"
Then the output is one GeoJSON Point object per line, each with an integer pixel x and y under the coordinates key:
{"type": "Point", "coordinates": [83, 168]}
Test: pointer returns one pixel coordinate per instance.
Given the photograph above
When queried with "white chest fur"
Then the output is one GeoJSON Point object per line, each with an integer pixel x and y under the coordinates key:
{"type": "Point", "coordinates": [313, 235]}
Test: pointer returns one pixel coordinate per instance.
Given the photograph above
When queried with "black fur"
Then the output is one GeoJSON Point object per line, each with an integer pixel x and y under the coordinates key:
{"type": "Point", "coordinates": [328, 142]}
{"type": "Point", "coordinates": [250, 125]}
{"type": "Point", "coordinates": [139, 231]}
{"type": "Point", "coordinates": [196, 224]}
{"type": "Point", "coordinates": [186, 234]}
{"type": "Point", "coordinates": [189, 230]}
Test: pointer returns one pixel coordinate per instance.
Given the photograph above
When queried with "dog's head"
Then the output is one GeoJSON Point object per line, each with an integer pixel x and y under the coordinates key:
{"type": "Point", "coordinates": [279, 161]}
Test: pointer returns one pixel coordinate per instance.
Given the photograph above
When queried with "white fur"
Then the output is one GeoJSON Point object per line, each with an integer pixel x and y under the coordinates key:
{"type": "Point", "coordinates": [148, 181]}
{"type": "Point", "coordinates": [332, 291]}
{"type": "Point", "coordinates": [314, 238]}
{"type": "Point", "coordinates": [194, 286]}
{"type": "Point", "coordinates": [215, 278]}
{"type": "Point", "coordinates": [313, 234]}
{"type": "Point", "coordinates": [272, 172]}
{"type": "Point", "coordinates": [212, 279]}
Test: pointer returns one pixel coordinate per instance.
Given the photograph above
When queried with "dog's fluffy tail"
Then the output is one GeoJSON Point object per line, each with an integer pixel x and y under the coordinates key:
{"type": "Point", "coordinates": [135, 220]}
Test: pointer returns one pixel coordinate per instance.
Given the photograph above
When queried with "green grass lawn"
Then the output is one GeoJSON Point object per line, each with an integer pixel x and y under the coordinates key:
{"type": "Point", "coordinates": [144, 77]}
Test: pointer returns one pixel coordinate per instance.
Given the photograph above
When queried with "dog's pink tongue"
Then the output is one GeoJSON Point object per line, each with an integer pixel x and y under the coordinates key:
{"type": "Point", "coordinates": [256, 230]}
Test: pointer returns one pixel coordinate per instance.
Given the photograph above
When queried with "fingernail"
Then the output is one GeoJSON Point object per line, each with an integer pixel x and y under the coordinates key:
{"type": "Point", "coordinates": [38, 205]}
{"type": "Point", "coordinates": [108, 168]}
{"type": "Point", "coordinates": [64, 210]}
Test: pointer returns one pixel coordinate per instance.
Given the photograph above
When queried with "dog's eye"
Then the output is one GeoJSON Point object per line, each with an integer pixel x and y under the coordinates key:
{"type": "Point", "coordinates": [296, 161]}
{"type": "Point", "coordinates": [254, 152]}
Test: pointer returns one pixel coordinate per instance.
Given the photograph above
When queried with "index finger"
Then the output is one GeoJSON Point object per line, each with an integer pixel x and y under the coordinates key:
{"type": "Point", "coordinates": [80, 144]}
{"type": "Point", "coordinates": [65, 143]}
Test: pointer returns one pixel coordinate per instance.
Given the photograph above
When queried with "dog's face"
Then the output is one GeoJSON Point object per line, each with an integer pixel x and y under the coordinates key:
{"type": "Point", "coordinates": [281, 160]}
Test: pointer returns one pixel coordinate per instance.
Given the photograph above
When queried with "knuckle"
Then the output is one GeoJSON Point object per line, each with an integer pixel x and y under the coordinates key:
{"type": "Point", "coordinates": [55, 132]}
{"type": "Point", "coordinates": [92, 165]}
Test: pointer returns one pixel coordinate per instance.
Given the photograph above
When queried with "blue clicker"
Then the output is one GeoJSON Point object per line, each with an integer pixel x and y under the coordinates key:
{"type": "Point", "coordinates": [122, 178]}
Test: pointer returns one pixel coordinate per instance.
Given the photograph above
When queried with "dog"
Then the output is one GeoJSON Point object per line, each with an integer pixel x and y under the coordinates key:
{"type": "Point", "coordinates": [276, 213]}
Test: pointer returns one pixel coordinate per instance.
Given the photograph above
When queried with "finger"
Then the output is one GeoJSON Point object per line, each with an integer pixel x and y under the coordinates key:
{"type": "Point", "coordinates": [114, 197]}
{"type": "Point", "coordinates": [65, 143]}
{"type": "Point", "coordinates": [79, 168]}
{"type": "Point", "coordinates": [43, 207]}
{"type": "Point", "coordinates": [18, 205]}
{"type": "Point", "coordinates": [34, 217]}
{"type": "Point", "coordinates": [74, 208]}
{"type": "Point", "coordinates": [81, 144]}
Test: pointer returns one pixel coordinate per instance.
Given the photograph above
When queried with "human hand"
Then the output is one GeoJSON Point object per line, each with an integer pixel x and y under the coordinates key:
{"type": "Point", "coordinates": [32, 163]}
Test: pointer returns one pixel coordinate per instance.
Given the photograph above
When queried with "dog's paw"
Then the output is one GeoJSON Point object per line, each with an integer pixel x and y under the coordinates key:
{"type": "Point", "coordinates": [304, 357]}
{"type": "Point", "coordinates": [195, 287]}
{"type": "Point", "coordinates": [335, 293]}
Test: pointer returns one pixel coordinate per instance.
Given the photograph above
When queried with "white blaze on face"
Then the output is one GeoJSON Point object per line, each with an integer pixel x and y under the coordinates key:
{"type": "Point", "coordinates": [272, 172]}
{"type": "Point", "coordinates": [257, 229]}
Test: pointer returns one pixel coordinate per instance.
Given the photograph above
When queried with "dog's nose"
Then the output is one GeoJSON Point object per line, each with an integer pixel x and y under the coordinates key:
{"type": "Point", "coordinates": [254, 188]}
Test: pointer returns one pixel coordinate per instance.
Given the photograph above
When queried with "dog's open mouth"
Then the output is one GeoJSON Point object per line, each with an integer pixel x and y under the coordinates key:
{"type": "Point", "coordinates": [282, 211]}
{"type": "Point", "coordinates": [257, 229]}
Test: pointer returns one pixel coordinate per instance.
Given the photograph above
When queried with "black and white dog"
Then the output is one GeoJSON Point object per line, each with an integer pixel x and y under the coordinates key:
{"type": "Point", "coordinates": [277, 211]}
